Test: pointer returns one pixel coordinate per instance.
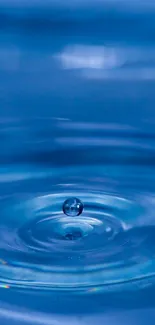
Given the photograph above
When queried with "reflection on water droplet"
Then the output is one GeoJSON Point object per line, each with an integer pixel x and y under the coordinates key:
{"type": "Point", "coordinates": [73, 235]}
{"type": "Point", "coordinates": [73, 207]}
{"type": "Point", "coordinates": [108, 229]}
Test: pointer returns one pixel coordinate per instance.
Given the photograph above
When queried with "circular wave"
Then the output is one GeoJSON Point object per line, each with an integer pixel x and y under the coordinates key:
{"type": "Point", "coordinates": [110, 244]}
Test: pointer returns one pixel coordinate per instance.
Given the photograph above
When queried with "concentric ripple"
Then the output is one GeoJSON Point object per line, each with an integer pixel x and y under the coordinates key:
{"type": "Point", "coordinates": [110, 244]}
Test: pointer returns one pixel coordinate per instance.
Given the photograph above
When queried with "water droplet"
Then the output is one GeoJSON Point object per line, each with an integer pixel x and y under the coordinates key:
{"type": "Point", "coordinates": [73, 207]}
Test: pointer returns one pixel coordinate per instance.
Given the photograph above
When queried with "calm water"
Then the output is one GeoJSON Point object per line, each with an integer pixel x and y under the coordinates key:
{"type": "Point", "coordinates": [77, 119]}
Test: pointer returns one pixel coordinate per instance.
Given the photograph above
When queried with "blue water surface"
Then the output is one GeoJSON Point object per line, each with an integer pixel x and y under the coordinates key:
{"type": "Point", "coordinates": [77, 120]}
